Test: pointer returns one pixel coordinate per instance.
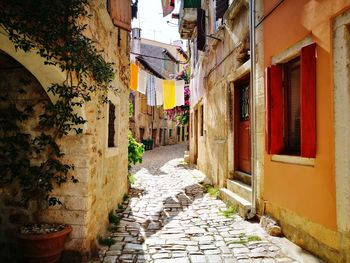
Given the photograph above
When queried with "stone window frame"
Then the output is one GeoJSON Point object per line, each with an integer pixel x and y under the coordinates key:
{"type": "Point", "coordinates": [283, 57]}
{"type": "Point", "coordinates": [112, 151]}
{"type": "Point", "coordinates": [341, 102]}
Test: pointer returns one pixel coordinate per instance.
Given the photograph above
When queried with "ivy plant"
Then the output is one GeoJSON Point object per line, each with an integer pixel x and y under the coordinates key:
{"type": "Point", "coordinates": [135, 151]}
{"type": "Point", "coordinates": [55, 31]}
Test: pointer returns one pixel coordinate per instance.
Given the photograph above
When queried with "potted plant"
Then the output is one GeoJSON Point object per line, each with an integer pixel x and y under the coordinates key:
{"type": "Point", "coordinates": [31, 159]}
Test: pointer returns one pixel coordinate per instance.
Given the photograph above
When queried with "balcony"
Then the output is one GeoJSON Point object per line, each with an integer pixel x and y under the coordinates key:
{"type": "Point", "coordinates": [188, 17]}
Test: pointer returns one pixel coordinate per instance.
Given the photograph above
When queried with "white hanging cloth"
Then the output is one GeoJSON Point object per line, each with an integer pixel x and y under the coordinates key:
{"type": "Point", "coordinates": [142, 81]}
{"type": "Point", "coordinates": [159, 91]}
{"type": "Point", "coordinates": [180, 93]}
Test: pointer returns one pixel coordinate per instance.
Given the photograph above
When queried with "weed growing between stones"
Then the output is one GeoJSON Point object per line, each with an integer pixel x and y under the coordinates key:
{"type": "Point", "coordinates": [254, 238]}
{"type": "Point", "coordinates": [212, 191]}
{"type": "Point", "coordinates": [243, 239]}
{"type": "Point", "coordinates": [114, 219]}
{"type": "Point", "coordinates": [131, 178]}
{"type": "Point", "coordinates": [106, 241]}
{"type": "Point", "coordinates": [125, 197]}
{"type": "Point", "coordinates": [229, 212]}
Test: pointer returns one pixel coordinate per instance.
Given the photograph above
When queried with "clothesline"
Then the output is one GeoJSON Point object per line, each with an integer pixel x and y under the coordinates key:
{"type": "Point", "coordinates": [169, 93]}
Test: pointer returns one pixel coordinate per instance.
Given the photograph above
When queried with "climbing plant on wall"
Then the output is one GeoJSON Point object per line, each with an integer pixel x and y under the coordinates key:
{"type": "Point", "coordinates": [54, 30]}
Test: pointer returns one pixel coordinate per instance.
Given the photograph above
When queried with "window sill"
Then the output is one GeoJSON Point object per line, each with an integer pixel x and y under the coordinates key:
{"type": "Point", "coordinates": [293, 160]}
{"type": "Point", "coordinates": [111, 151]}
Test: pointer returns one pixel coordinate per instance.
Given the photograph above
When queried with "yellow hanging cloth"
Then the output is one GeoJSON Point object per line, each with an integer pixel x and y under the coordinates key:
{"type": "Point", "coordinates": [134, 72]}
{"type": "Point", "coordinates": [169, 94]}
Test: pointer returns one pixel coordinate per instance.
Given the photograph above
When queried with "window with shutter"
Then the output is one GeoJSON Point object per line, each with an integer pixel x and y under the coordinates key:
{"type": "Point", "coordinates": [220, 9]}
{"type": "Point", "coordinates": [120, 12]}
{"type": "Point", "coordinates": [201, 32]}
{"type": "Point", "coordinates": [291, 105]}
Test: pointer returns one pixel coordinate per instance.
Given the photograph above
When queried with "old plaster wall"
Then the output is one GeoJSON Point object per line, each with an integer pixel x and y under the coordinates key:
{"type": "Point", "coordinates": [305, 198]}
{"type": "Point", "coordinates": [220, 63]}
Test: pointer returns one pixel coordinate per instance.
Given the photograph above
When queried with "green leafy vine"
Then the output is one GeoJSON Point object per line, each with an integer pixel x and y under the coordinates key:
{"type": "Point", "coordinates": [55, 31]}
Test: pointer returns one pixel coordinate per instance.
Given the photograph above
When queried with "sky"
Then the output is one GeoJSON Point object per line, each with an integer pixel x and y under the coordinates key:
{"type": "Point", "coordinates": [153, 25]}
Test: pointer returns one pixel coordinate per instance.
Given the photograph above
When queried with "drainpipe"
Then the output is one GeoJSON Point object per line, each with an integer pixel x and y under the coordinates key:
{"type": "Point", "coordinates": [252, 212]}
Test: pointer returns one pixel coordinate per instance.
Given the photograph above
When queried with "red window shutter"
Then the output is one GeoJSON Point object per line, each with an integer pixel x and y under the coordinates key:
{"type": "Point", "coordinates": [308, 101]}
{"type": "Point", "coordinates": [274, 110]}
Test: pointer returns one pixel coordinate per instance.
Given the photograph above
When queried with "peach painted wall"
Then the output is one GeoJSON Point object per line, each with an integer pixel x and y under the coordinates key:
{"type": "Point", "coordinates": [307, 191]}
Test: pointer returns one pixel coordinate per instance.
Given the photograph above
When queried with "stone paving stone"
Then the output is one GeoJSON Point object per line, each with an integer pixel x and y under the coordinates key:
{"type": "Point", "coordinates": [169, 219]}
{"type": "Point", "coordinates": [198, 259]}
{"type": "Point", "coordinates": [214, 259]}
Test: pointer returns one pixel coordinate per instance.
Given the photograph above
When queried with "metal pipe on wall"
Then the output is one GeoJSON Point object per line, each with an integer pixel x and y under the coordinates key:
{"type": "Point", "coordinates": [253, 136]}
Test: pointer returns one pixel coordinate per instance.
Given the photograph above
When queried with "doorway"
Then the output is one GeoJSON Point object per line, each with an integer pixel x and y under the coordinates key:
{"type": "Point", "coordinates": [242, 120]}
{"type": "Point", "coordinates": [195, 132]}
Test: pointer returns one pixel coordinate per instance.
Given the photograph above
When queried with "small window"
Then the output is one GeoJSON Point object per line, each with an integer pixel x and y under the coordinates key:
{"type": "Point", "coordinates": [170, 133]}
{"type": "Point", "coordinates": [291, 85]}
{"type": "Point", "coordinates": [202, 121]}
{"type": "Point", "coordinates": [220, 9]}
{"type": "Point", "coordinates": [108, 6]}
{"type": "Point", "coordinates": [244, 103]}
{"type": "Point", "coordinates": [291, 105]}
{"type": "Point", "coordinates": [111, 125]}
{"type": "Point", "coordinates": [131, 105]}
{"type": "Point", "coordinates": [142, 132]}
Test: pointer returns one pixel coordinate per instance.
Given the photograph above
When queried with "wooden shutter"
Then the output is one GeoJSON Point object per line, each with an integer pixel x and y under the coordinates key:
{"type": "Point", "coordinates": [274, 110]}
{"type": "Point", "coordinates": [120, 12]}
{"type": "Point", "coordinates": [220, 8]}
{"type": "Point", "coordinates": [200, 29]}
{"type": "Point", "coordinates": [143, 103]}
{"type": "Point", "coordinates": [308, 101]}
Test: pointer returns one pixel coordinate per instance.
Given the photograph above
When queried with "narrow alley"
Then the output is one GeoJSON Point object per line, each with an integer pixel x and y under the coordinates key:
{"type": "Point", "coordinates": [170, 219]}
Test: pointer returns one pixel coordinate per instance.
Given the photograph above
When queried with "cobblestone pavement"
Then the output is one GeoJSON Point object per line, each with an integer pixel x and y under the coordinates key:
{"type": "Point", "coordinates": [169, 219]}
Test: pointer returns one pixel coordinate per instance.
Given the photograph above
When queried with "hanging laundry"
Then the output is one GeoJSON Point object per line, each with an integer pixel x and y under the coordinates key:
{"type": "Point", "coordinates": [168, 7]}
{"type": "Point", "coordinates": [151, 90]}
{"type": "Point", "coordinates": [193, 90]}
{"type": "Point", "coordinates": [200, 82]}
{"type": "Point", "coordinates": [180, 93]}
{"type": "Point", "coordinates": [134, 74]}
{"type": "Point", "coordinates": [159, 91]}
{"type": "Point", "coordinates": [142, 81]}
{"type": "Point", "coordinates": [169, 94]}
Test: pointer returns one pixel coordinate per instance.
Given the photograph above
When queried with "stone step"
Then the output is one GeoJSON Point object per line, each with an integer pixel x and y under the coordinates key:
{"type": "Point", "coordinates": [243, 177]}
{"type": "Point", "coordinates": [241, 189]}
{"type": "Point", "coordinates": [243, 206]}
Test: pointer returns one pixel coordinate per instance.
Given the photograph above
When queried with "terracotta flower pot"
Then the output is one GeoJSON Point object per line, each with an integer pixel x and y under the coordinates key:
{"type": "Point", "coordinates": [43, 248]}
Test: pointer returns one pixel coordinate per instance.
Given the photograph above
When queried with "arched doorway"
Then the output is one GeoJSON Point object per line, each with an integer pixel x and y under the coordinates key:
{"type": "Point", "coordinates": [22, 100]}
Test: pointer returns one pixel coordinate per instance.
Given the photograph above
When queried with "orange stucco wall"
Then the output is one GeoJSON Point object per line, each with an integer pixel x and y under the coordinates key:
{"type": "Point", "coordinates": [307, 191]}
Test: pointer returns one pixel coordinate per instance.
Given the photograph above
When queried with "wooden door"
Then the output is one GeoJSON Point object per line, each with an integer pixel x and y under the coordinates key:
{"type": "Point", "coordinates": [243, 128]}
{"type": "Point", "coordinates": [160, 136]}
{"type": "Point", "coordinates": [154, 137]}
{"type": "Point", "coordinates": [195, 133]}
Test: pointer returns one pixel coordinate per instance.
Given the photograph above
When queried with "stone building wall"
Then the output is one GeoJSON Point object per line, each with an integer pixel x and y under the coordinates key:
{"type": "Point", "coordinates": [222, 66]}
{"type": "Point", "coordinates": [101, 170]}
